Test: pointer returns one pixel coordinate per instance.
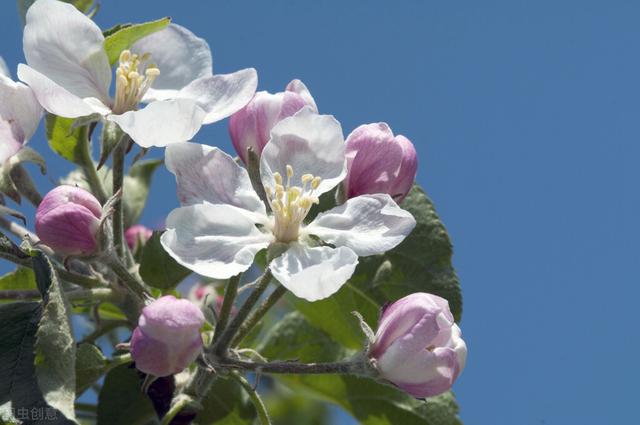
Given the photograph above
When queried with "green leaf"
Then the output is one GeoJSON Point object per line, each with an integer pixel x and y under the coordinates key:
{"type": "Point", "coordinates": [65, 140]}
{"type": "Point", "coordinates": [10, 249]}
{"type": "Point", "coordinates": [422, 263]}
{"type": "Point", "coordinates": [157, 268]}
{"type": "Point", "coordinates": [90, 364]}
{"type": "Point", "coordinates": [371, 403]}
{"type": "Point", "coordinates": [136, 189]}
{"type": "Point", "coordinates": [55, 348]}
{"type": "Point", "coordinates": [124, 37]}
{"type": "Point", "coordinates": [82, 5]}
{"type": "Point", "coordinates": [121, 400]}
{"type": "Point", "coordinates": [226, 404]}
{"type": "Point", "coordinates": [20, 279]}
{"type": "Point", "coordinates": [18, 384]}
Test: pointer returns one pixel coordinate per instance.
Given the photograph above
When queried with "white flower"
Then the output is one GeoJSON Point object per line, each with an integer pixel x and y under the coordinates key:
{"type": "Point", "coordinates": [222, 223]}
{"type": "Point", "coordinates": [69, 72]}
{"type": "Point", "coordinates": [20, 114]}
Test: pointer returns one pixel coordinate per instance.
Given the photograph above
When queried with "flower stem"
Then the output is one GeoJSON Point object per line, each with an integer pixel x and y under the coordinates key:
{"type": "Point", "coordinates": [180, 403]}
{"type": "Point", "coordinates": [131, 281]}
{"type": "Point", "coordinates": [89, 168]}
{"type": "Point", "coordinates": [345, 367]}
{"type": "Point", "coordinates": [119, 153]}
{"type": "Point", "coordinates": [263, 415]}
{"type": "Point", "coordinates": [258, 314]}
{"type": "Point", "coordinates": [227, 304]}
{"type": "Point", "coordinates": [221, 346]}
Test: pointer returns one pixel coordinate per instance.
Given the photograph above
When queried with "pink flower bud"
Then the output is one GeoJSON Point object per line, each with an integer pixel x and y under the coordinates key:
{"type": "Point", "coordinates": [418, 347]}
{"type": "Point", "coordinates": [137, 234]}
{"type": "Point", "coordinates": [167, 338]}
{"type": "Point", "coordinates": [378, 162]}
{"type": "Point", "coordinates": [68, 220]}
{"type": "Point", "coordinates": [251, 126]}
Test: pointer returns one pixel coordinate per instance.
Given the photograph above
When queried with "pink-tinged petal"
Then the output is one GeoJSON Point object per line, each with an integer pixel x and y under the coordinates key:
{"type": "Point", "coordinates": [221, 95]}
{"type": "Point", "coordinates": [181, 56]}
{"type": "Point", "coordinates": [314, 273]}
{"type": "Point", "coordinates": [58, 100]}
{"type": "Point", "coordinates": [20, 114]}
{"type": "Point", "coordinates": [68, 220]}
{"type": "Point", "coordinates": [251, 126]}
{"type": "Point", "coordinates": [137, 234]}
{"type": "Point", "coordinates": [68, 47]}
{"type": "Point", "coordinates": [298, 87]}
{"type": "Point", "coordinates": [368, 224]}
{"type": "Point", "coordinates": [418, 347]}
{"type": "Point", "coordinates": [160, 358]}
{"type": "Point", "coordinates": [11, 139]}
{"type": "Point", "coordinates": [170, 320]}
{"type": "Point", "coordinates": [213, 240]}
{"type": "Point", "coordinates": [426, 375]}
{"type": "Point", "coordinates": [378, 162]}
{"type": "Point", "coordinates": [311, 144]}
{"type": "Point", "coordinates": [162, 123]}
{"type": "Point", "coordinates": [401, 316]}
{"type": "Point", "coordinates": [198, 170]}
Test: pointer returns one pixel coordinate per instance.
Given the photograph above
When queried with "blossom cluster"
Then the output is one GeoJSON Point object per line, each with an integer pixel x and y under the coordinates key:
{"type": "Point", "coordinates": [291, 157]}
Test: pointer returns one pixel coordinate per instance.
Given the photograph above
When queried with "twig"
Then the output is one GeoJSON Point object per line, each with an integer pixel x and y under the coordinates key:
{"type": "Point", "coordinates": [263, 415]}
{"type": "Point", "coordinates": [258, 314]}
{"type": "Point", "coordinates": [227, 305]}
{"type": "Point", "coordinates": [222, 344]}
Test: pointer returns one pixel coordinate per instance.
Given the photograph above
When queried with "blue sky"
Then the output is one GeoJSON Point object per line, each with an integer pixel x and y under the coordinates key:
{"type": "Point", "coordinates": [525, 117]}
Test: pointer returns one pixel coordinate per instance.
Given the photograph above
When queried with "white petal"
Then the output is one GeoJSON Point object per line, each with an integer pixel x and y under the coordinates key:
{"type": "Point", "coordinates": [222, 95]}
{"type": "Point", "coordinates": [162, 123]}
{"type": "Point", "coordinates": [181, 56]}
{"type": "Point", "coordinates": [19, 106]}
{"type": "Point", "coordinates": [56, 99]}
{"type": "Point", "coordinates": [213, 240]}
{"type": "Point", "coordinates": [4, 69]}
{"type": "Point", "coordinates": [299, 87]}
{"type": "Point", "coordinates": [314, 273]}
{"type": "Point", "coordinates": [68, 47]}
{"type": "Point", "coordinates": [311, 144]}
{"type": "Point", "coordinates": [368, 224]}
{"type": "Point", "coordinates": [205, 173]}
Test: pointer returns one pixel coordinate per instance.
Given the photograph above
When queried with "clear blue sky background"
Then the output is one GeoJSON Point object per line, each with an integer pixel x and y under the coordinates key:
{"type": "Point", "coordinates": [525, 116]}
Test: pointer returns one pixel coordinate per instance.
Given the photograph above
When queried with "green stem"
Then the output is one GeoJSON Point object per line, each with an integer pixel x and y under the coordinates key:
{"type": "Point", "coordinates": [118, 181]}
{"type": "Point", "coordinates": [89, 168]}
{"type": "Point", "coordinates": [222, 344]}
{"type": "Point", "coordinates": [258, 314]}
{"type": "Point", "coordinates": [352, 367]}
{"type": "Point", "coordinates": [180, 402]}
{"type": "Point", "coordinates": [116, 361]}
{"type": "Point", "coordinates": [133, 282]}
{"type": "Point", "coordinates": [263, 415]}
{"type": "Point", "coordinates": [227, 305]}
{"type": "Point", "coordinates": [99, 294]}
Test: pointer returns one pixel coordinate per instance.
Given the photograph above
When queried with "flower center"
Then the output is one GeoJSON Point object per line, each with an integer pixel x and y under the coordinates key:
{"type": "Point", "coordinates": [130, 85]}
{"type": "Point", "coordinates": [291, 204]}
